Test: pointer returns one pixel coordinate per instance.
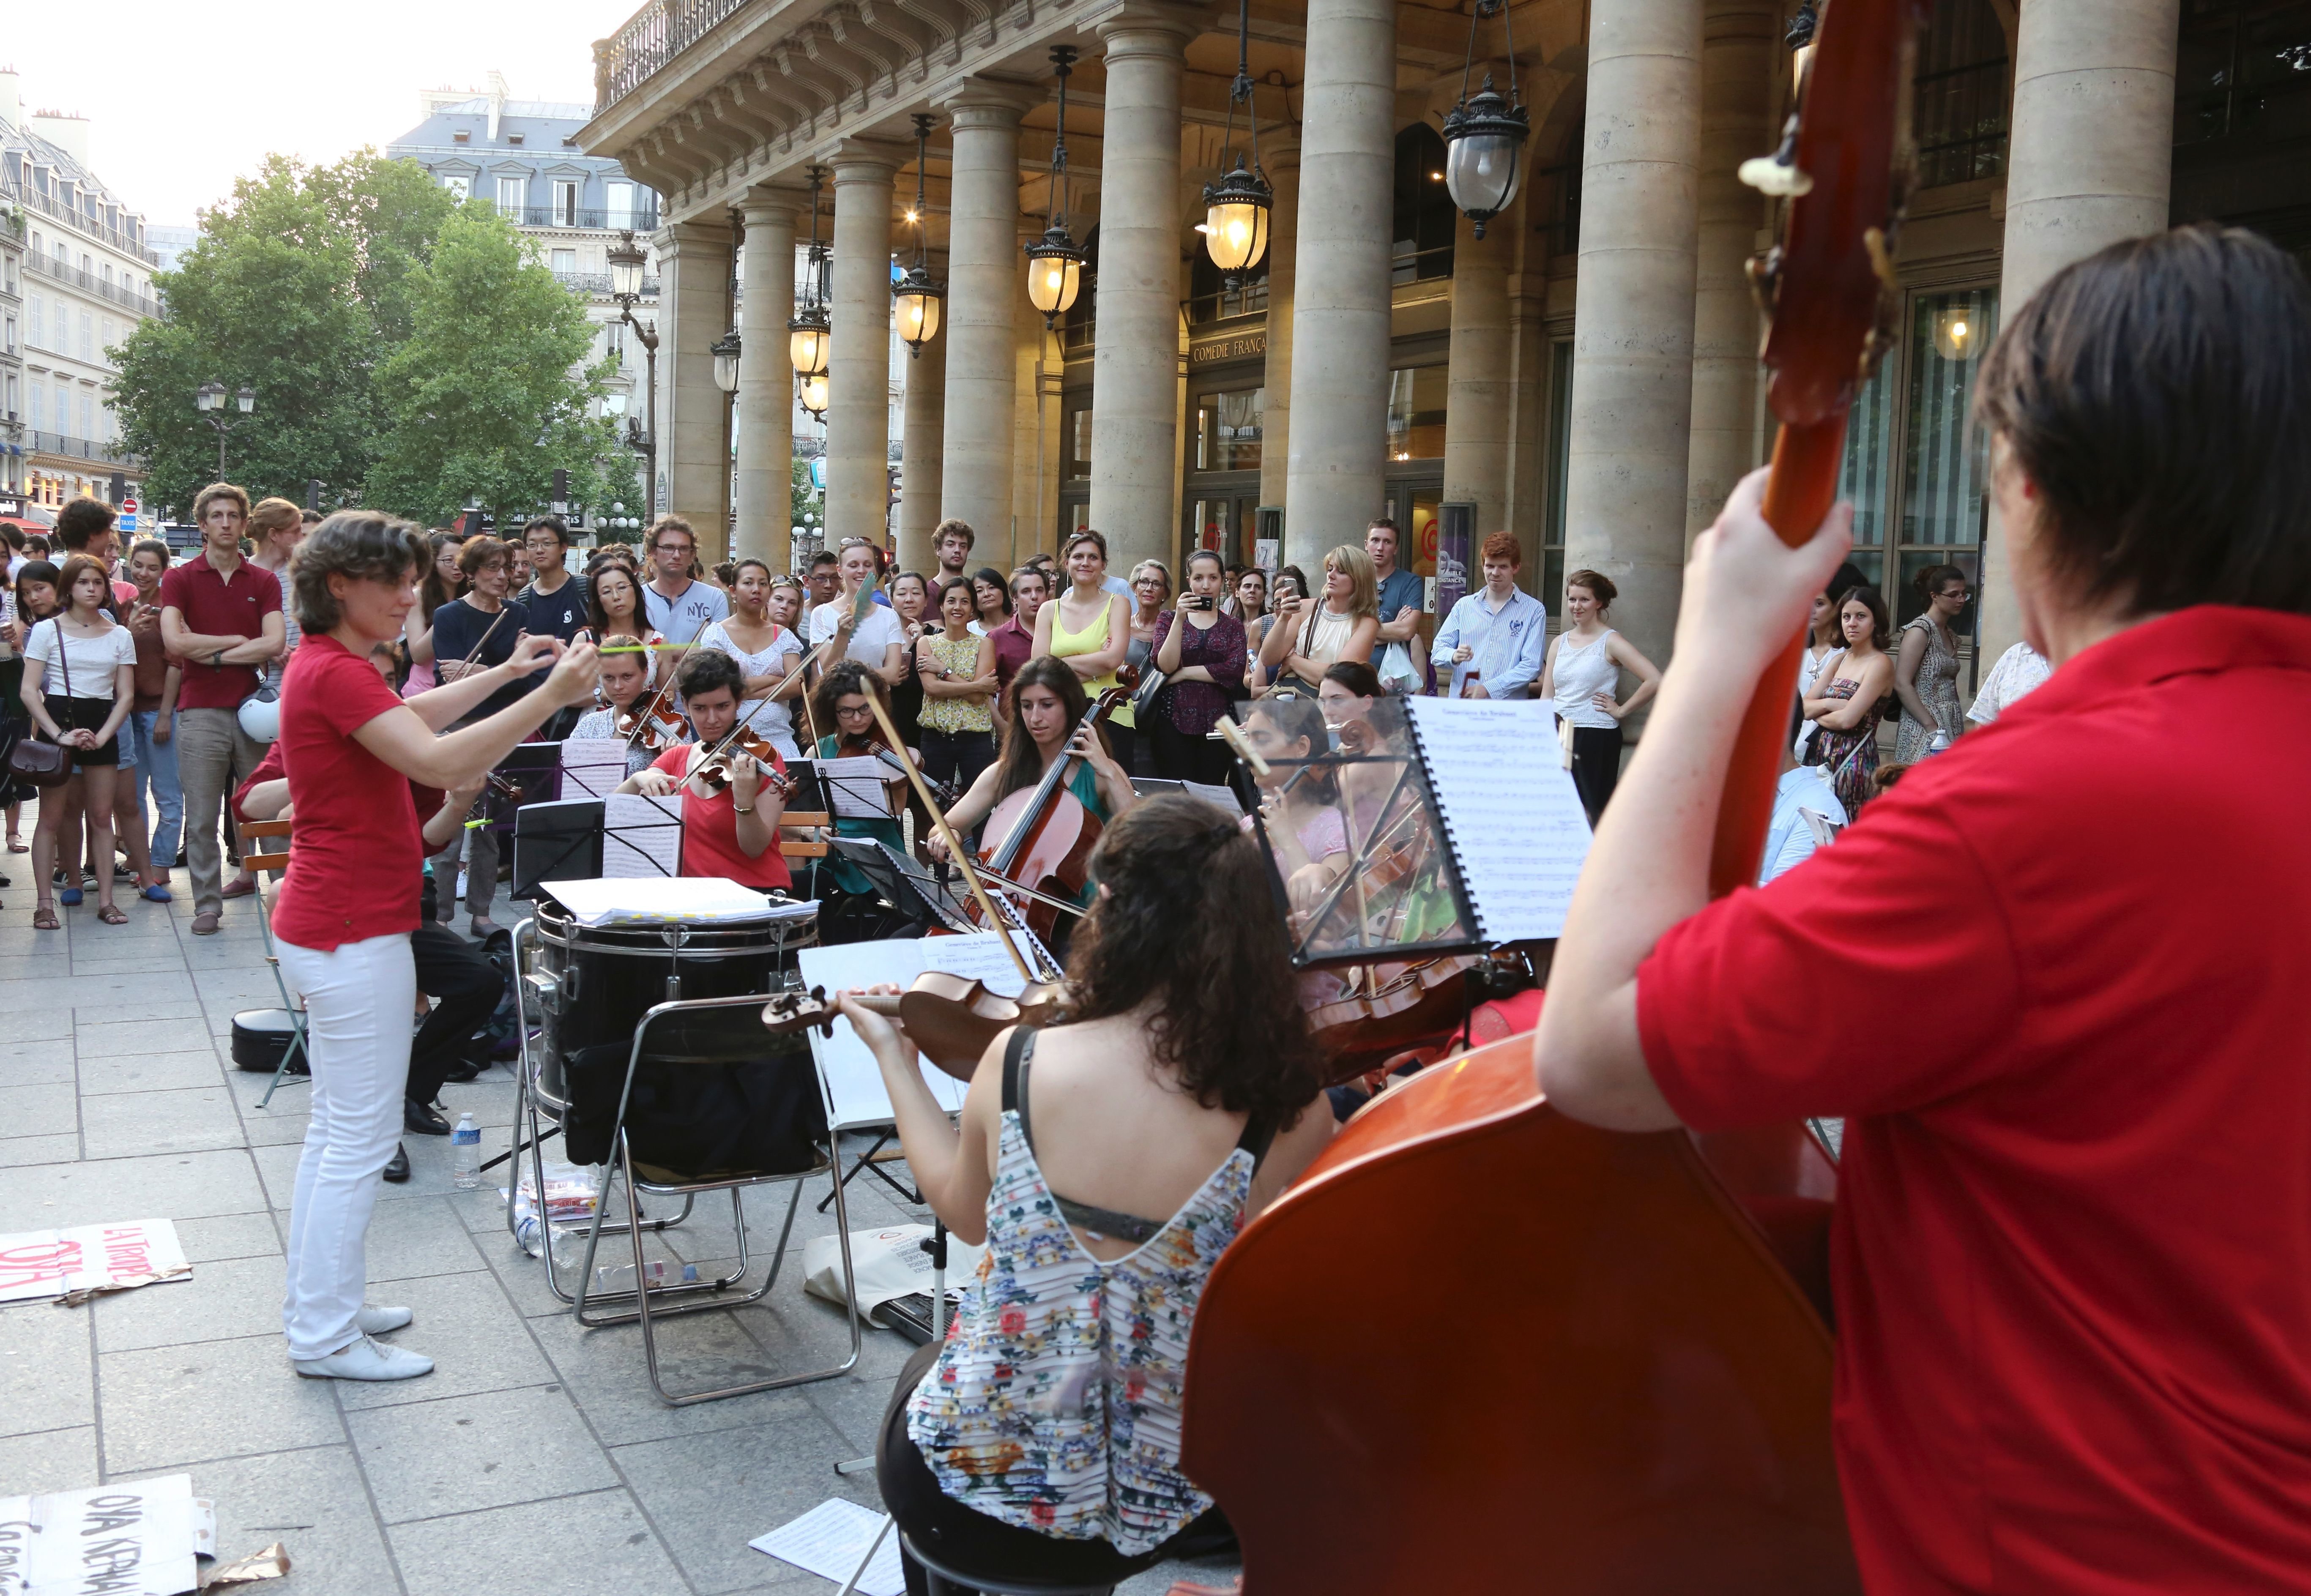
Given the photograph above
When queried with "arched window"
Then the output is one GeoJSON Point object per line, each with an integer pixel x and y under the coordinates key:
{"type": "Point", "coordinates": [1424, 213]}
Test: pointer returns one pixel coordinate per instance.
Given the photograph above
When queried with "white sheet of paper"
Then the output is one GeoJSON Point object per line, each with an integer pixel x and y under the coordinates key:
{"type": "Point", "coordinates": [854, 1081]}
{"type": "Point", "coordinates": [39, 1264]}
{"type": "Point", "coordinates": [641, 836]}
{"type": "Point", "coordinates": [829, 1540]}
{"type": "Point", "coordinates": [592, 767]}
{"type": "Point", "coordinates": [980, 957]}
{"type": "Point", "coordinates": [858, 788]}
{"type": "Point", "coordinates": [1517, 826]}
{"type": "Point", "coordinates": [705, 899]}
{"type": "Point", "coordinates": [128, 1538]}
{"type": "Point", "coordinates": [1223, 797]}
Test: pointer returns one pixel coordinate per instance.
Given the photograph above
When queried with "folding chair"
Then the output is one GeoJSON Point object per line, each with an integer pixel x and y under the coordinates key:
{"type": "Point", "coordinates": [275, 861]}
{"type": "Point", "coordinates": [660, 1183]}
{"type": "Point", "coordinates": [535, 1099]}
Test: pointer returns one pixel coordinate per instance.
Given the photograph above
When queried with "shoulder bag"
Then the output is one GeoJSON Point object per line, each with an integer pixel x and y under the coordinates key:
{"type": "Point", "coordinates": [43, 764]}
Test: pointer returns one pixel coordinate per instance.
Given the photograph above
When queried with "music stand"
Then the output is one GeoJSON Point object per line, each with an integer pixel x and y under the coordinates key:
{"type": "Point", "coordinates": [905, 885]}
{"type": "Point", "coordinates": [556, 841]}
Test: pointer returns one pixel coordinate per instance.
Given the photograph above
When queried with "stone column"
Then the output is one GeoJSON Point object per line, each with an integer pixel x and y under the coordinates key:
{"type": "Point", "coordinates": [765, 441]}
{"type": "Point", "coordinates": [1479, 398]}
{"type": "Point", "coordinates": [922, 446]}
{"type": "Point", "coordinates": [1739, 48]}
{"type": "Point", "coordinates": [1632, 331]}
{"type": "Point", "coordinates": [858, 354]}
{"type": "Point", "coordinates": [984, 276]}
{"type": "Point", "coordinates": [2088, 164]}
{"type": "Point", "coordinates": [1282, 158]}
{"type": "Point", "coordinates": [1339, 402]}
{"type": "Point", "coordinates": [693, 310]}
{"type": "Point", "coordinates": [1136, 362]}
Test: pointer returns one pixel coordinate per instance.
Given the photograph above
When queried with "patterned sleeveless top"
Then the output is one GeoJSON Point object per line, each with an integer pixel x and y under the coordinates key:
{"type": "Point", "coordinates": [1056, 1403]}
{"type": "Point", "coordinates": [960, 656]}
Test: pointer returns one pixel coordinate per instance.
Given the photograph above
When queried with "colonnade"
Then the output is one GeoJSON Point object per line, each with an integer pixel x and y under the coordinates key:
{"type": "Point", "coordinates": [1664, 409]}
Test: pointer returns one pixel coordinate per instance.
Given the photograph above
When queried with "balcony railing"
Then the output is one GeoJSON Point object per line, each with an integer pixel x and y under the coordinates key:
{"type": "Point", "coordinates": [599, 283]}
{"type": "Point", "coordinates": [653, 36]}
{"type": "Point", "coordinates": [112, 236]}
{"type": "Point", "coordinates": [79, 448]}
{"type": "Point", "coordinates": [73, 277]}
{"type": "Point", "coordinates": [640, 221]}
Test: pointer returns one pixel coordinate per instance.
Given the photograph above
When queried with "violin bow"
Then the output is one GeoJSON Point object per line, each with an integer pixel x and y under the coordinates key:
{"type": "Point", "coordinates": [474, 652]}
{"type": "Point", "coordinates": [955, 850]}
{"type": "Point", "coordinates": [1830, 295]}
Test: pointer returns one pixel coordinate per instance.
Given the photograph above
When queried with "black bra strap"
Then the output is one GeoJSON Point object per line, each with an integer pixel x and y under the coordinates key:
{"type": "Point", "coordinates": [1022, 1040]}
{"type": "Point", "coordinates": [1257, 1134]}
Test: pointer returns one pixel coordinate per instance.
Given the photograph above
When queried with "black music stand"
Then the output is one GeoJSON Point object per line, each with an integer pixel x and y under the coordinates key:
{"type": "Point", "coordinates": [907, 887]}
{"type": "Point", "coordinates": [556, 841]}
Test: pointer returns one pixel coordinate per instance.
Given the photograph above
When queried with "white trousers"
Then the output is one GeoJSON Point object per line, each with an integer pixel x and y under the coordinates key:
{"type": "Point", "coordinates": [358, 1000]}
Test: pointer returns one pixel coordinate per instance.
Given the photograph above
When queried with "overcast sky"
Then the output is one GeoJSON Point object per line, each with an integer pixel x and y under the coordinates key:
{"type": "Point", "coordinates": [183, 98]}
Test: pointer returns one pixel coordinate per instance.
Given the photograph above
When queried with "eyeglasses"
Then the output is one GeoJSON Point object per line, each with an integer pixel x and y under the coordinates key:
{"type": "Point", "coordinates": [853, 711]}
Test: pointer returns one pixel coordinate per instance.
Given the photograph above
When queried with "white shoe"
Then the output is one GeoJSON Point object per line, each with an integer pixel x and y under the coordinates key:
{"type": "Point", "coordinates": [381, 1322]}
{"type": "Point", "coordinates": [365, 1360]}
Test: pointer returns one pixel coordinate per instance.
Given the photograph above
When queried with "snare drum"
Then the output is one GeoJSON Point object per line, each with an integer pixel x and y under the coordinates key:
{"type": "Point", "coordinates": [594, 984]}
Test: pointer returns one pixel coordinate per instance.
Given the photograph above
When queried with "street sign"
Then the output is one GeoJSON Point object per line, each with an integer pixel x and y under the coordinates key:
{"type": "Point", "coordinates": [128, 513]}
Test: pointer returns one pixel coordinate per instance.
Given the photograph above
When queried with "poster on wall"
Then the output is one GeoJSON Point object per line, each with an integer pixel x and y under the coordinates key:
{"type": "Point", "coordinates": [1266, 552]}
{"type": "Point", "coordinates": [1456, 531]}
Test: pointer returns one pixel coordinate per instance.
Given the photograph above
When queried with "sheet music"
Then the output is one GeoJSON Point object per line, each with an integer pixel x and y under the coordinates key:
{"type": "Point", "coordinates": [854, 1081]}
{"type": "Point", "coordinates": [592, 767]}
{"type": "Point", "coordinates": [640, 835]}
{"type": "Point", "coordinates": [858, 787]}
{"type": "Point", "coordinates": [832, 1539]}
{"type": "Point", "coordinates": [980, 957]}
{"type": "Point", "coordinates": [1220, 797]}
{"type": "Point", "coordinates": [1515, 819]}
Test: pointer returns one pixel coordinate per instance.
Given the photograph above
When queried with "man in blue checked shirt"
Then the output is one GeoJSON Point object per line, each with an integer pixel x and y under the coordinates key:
{"type": "Point", "coordinates": [1494, 638]}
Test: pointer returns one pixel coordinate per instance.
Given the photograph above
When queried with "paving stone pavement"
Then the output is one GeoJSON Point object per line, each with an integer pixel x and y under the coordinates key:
{"type": "Point", "coordinates": [536, 1459]}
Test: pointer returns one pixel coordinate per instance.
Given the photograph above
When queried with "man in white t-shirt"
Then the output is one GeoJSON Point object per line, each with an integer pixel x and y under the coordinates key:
{"type": "Point", "coordinates": [679, 609]}
{"type": "Point", "coordinates": [876, 640]}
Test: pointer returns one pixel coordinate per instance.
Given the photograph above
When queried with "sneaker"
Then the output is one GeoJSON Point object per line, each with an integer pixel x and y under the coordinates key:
{"type": "Point", "coordinates": [69, 896]}
{"type": "Point", "coordinates": [374, 1321]}
{"type": "Point", "coordinates": [365, 1360]}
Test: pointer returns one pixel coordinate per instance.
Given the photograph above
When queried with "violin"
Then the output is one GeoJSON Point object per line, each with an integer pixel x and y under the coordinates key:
{"type": "Point", "coordinates": [711, 771]}
{"type": "Point", "coordinates": [1047, 835]}
{"type": "Point", "coordinates": [650, 725]}
{"type": "Point", "coordinates": [1639, 1402]}
{"type": "Point", "coordinates": [951, 1019]}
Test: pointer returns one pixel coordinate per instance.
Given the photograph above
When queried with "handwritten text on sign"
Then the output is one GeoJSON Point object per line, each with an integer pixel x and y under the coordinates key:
{"type": "Point", "coordinates": [89, 1259]}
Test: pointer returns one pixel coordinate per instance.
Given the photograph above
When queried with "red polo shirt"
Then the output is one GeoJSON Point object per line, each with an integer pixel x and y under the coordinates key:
{"type": "Point", "coordinates": [2060, 982]}
{"type": "Point", "coordinates": [215, 606]}
{"type": "Point", "coordinates": [1014, 645]}
{"type": "Point", "coordinates": [356, 849]}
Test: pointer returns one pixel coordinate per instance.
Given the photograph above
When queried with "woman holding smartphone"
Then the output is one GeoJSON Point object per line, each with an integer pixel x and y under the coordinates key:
{"type": "Point", "coordinates": [1201, 651]}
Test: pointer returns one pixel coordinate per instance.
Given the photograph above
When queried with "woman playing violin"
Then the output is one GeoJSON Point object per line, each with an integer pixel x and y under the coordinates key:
{"type": "Point", "coordinates": [850, 733]}
{"type": "Point", "coordinates": [621, 693]}
{"type": "Point", "coordinates": [1047, 709]}
{"type": "Point", "coordinates": [1178, 1092]}
{"type": "Point", "coordinates": [727, 830]}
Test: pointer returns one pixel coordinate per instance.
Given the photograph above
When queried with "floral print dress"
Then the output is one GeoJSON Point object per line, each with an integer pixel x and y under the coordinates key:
{"type": "Point", "coordinates": [1847, 757]}
{"type": "Point", "coordinates": [1055, 1404]}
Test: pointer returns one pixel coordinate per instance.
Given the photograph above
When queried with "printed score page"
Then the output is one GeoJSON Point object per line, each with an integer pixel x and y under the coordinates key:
{"type": "Point", "coordinates": [859, 787]}
{"type": "Point", "coordinates": [641, 836]}
{"type": "Point", "coordinates": [1516, 822]}
{"type": "Point", "coordinates": [592, 767]}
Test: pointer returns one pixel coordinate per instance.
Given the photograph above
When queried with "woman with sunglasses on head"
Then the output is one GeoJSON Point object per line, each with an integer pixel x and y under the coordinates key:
{"type": "Point", "coordinates": [1845, 699]}
{"type": "Point", "coordinates": [1344, 625]}
{"type": "Point", "coordinates": [1925, 666]}
{"type": "Point", "coordinates": [80, 682]}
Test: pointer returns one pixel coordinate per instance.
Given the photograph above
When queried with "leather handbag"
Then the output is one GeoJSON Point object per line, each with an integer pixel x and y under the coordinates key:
{"type": "Point", "coordinates": [43, 764]}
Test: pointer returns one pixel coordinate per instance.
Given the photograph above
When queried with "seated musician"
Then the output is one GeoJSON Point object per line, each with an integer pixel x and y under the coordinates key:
{"type": "Point", "coordinates": [1042, 1439]}
{"type": "Point", "coordinates": [840, 704]}
{"type": "Point", "coordinates": [624, 683]}
{"type": "Point", "coordinates": [1043, 718]}
{"type": "Point", "coordinates": [2071, 1257]}
{"type": "Point", "coordinates": [1298, 802]}
{"type": "Point", "coordinates": [730, 829]}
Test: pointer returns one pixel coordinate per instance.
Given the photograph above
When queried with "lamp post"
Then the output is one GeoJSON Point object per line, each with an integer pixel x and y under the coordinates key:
{"type": "Point", "coordinates": [626, 259]}
{"type": "Point", "coordinates": [1237, 208]}
{"type": "Point", "coordinates": [1483, 137]}
{"type": "Point", "coordinates": [209, 399]}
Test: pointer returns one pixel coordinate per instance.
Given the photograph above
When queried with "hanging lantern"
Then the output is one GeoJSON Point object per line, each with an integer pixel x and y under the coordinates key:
{"type": "Point", "coordinates": [1054, 264]}
{"type": "Point", "coordinates": [808, 328]}
{"type": "Point", "coordinates": [626, 259]}
{"type": "Point", "coordinates": [1484, 137]}
{"type": "Point", "coordinates": [811, 391]}
{"type": "Point", "coordinates": [915, 296]}
{"type": "Point", "coordinates": [725, 351]}
{"type": "Point", "coordinates": [1237, 208]}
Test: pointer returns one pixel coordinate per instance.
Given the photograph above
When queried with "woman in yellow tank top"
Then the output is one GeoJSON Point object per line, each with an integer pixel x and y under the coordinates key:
{"type": "Point", "coordinates": [1090, 628]}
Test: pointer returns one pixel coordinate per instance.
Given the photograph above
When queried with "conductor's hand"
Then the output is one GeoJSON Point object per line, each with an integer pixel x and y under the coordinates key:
{"type": "Point", "coordinates": [885, 1041]}
{"type": "Point", "coordinates": [532, 653]}
{"type": "Point", "coordinates": [574, 674]}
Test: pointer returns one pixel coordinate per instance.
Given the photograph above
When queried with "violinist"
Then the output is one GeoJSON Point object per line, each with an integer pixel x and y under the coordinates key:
{"type": "Point", "coordinates": [624, 688]}
{"type": "Point", "coordinates": [1040, 1438]}
{"type": "Point", "coordinates": [1046, 722]}
{"type": "Point", "coordinates": [730, 808]}
{"type": "Point", "coordinates": [848, 730]}
{"type": "Point", "coordinates": [1298, 802]}
{"type": "Point", "coordinates": [2073, 1327]}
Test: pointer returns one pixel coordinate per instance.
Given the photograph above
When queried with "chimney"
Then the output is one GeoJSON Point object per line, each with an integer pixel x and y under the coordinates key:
{"type": "Point", "coordinates": [497, 103]}
{"type": "Point", "coordinates": [12, 103]}
{"type": "Point", "coordinates": [68, 133]}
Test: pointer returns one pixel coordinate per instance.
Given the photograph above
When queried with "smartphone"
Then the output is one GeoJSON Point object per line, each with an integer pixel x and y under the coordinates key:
{"type": "Point", "coordinates": [1203, 601]}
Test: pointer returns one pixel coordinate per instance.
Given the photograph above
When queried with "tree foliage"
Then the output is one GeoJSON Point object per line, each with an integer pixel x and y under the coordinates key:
{"type": "Point", "coordinates": [397, 377]}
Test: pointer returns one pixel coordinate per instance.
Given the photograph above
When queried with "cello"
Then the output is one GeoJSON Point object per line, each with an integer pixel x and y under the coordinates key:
{"type": "Point", "coordinates": [1047, 835]}
{"type": "Point", "coordinates": [1613, 1373]}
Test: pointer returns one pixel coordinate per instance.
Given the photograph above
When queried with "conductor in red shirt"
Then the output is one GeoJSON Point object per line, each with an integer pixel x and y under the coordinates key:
{"type": "Point", "coordinates": [352, 747]}
{"type": "Point", "coordinates": [2071, 1258]}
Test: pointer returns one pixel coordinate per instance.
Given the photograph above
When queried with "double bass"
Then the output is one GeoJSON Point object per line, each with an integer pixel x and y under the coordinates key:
{"type": "Point", "coordinates": [1610, 1371]}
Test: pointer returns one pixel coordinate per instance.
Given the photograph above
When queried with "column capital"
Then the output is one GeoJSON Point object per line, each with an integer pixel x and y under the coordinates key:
{"type": "Point", "coordinates": [677, 238]}
{"type": "Point", "coordinates": [768, 204]}
{"type": "Point", "coordinates": [867, 161]}
{"type": "Point", "coordinates": [1149, 27]}
{"type": "Point", "coordinates": [986, 102]}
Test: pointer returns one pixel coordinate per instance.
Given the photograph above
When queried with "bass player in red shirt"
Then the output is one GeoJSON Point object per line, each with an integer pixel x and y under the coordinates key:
{"type": "Point", "coordinates": [2071, 1259]}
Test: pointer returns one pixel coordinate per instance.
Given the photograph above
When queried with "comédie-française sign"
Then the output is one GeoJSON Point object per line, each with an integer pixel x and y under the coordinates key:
{"type": "Point", "coordinates": [1236, 346]}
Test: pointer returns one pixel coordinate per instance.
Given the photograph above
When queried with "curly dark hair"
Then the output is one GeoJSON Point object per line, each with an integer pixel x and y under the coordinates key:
{"type": "Point", "coordinates": [1188, 927]}
{"type": "Point", "coordinates": [843, 678]}
{"type": "Point", "coordinates": [360, 544]}
{"type": "Point", "coordinates": [709, 670]}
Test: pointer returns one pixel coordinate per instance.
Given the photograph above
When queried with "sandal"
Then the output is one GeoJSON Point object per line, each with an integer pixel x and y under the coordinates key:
{"type": "Point", "coordinates": [44, 919]}
{"type": "Point", "coordinates": [111, 916]}
{"type": "Point", "coordinates": [17, 844]}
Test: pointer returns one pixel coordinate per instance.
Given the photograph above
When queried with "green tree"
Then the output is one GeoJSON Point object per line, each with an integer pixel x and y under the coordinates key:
{"type": "Point", "coordinates": [479, 403]}
{"type": "Point", "coordinates": [296, 288]}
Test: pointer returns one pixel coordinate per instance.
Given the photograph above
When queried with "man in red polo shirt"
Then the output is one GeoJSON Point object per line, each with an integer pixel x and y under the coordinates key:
{"type": "Point", "coordinates": [2055, 979]}
{"type": "Point", "coordinates": [221, 616]}
{"type": "Point", "coordinates": [1014, 639]}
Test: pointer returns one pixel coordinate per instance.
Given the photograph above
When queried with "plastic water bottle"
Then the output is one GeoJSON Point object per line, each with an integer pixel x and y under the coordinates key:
{"type": "Point", "coordinates": [466, 1153]}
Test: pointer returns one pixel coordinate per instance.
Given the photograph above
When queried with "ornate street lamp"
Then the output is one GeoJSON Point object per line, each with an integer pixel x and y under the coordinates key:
{"type": "Point", "coordinates": [725, 351]}
{"type": "Point", "coordinates": [626, 259]}
{"type": "Point", "coordinates": [1483, 137]}
{"type": "Point", "coordinates": [811, 391]}
{"type": "Point", "coordinates": [209, 399]}
{"type": "Point", "coordinates": [808, 328]}
{"type": "Point", "coordinates": [1054, 264]}
{"type": "Point", "coordinates": [1237, 208]}
{"type": "Point", "coordinates": [917, 298]}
